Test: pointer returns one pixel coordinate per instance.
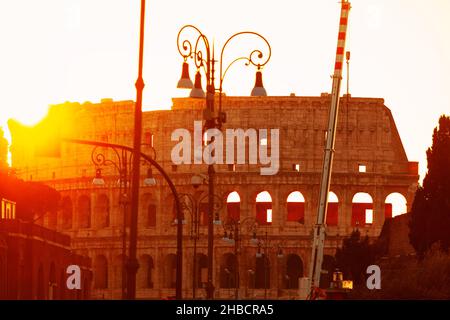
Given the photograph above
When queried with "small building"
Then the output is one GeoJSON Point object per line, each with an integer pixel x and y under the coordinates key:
{"type": "Point", "coordinates": [33, 263]}
{"type": "Point", "coordinates": [33, 258]}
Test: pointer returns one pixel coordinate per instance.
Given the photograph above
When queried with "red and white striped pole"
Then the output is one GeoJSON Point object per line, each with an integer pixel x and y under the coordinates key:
{"type": "Point", "coordinates": [319, 228]}
{"type": "Point", "coordinates": [343, 23]}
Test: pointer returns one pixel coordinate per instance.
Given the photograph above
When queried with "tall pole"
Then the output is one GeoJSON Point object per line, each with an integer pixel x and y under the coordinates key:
{"type": "Point", "coordinates": [194, 262]}
{"type": "Point", "coordinates": [133, 264]}
{"type": "Point", "coordinates": [124, 199]}
{"type": "Point", "coordinates": [212, 120]}
{"type": "Point", "coordinates": [210, 123]}
{"type": "Point", "coordinates": [266, 266]}
{"type": "Point", "coordinates": [237, 235]}
{"type": "Point", "coordinates": [319, 228]}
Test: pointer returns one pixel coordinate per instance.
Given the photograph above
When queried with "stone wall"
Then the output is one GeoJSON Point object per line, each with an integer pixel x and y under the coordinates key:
{"type": "Point", "coordinates": [366, 135]}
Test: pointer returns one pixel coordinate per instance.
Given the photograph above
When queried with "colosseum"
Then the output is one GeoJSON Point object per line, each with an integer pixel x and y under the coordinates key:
{"type": "Point", "coordinates": [273, 252]}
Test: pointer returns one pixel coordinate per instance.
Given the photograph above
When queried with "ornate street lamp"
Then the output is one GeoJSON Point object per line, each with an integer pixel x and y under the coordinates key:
{"type": "Point", "coordinates": [192, 204]}
{"type": "Point", "coordinates": [233, 235]}
{"type": "Point", "coordinates": [127, 153]}
{"type": "Point", "coordinates": [264, 247]}
{"type": "Point", "coordinates": [149, 181]}
{"type": "Point", "coordinates": [98, 180]}
{"type": "Point", "coordinates": [122, 164]}
{"type": "Point", "coordinates": [204, 59]}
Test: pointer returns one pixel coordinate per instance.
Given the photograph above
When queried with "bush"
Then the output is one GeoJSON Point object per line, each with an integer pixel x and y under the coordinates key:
{"type": "Point", "coordinates": [408, 278]}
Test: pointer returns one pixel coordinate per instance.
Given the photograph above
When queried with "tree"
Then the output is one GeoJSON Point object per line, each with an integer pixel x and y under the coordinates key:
{"type": "Point", "coordinates": [430, 211]}
{"type": "Point", "coordinates": [3, 151]}
{"type": "Point", "coordinates": [355, 256]}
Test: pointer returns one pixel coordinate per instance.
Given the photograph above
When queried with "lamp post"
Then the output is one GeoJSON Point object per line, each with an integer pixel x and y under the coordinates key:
{"type": "Point", "coordinates": [266, 244]}
{"type": "Point", "coordinates": [192, 204]}
{"type": "Point", "coordinates": [121, 164]}
{"type": "Point", "coordinates": [235, 225]}
{"type": "Point", "coordinates": [204, 59]}
{"type": "Point", "coordinates": [133, 265]}
{"type": "Point", "coordinates": [157, 166]}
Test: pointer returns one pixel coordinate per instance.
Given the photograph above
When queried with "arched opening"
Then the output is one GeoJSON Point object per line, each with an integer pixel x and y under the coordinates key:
{"type": "Point", "coordinates": [100, 272]}
{"type": "Point", "coordinates": [264, 208]}
{"type": "Point", "coordinates": [102, 211]}
{"type": "Point", "coordinates": [332, 209]}
{"type": "Point", "coordinates": [294, 271]}
{"type": "Point", "coordinates": [296, 207]}
{"type": "Point", "coordinates": [395, 205]}
{"type": "Point", "coordinates": [170, 269]}
{"type": "Point", "coordinates": [146, 271]}
{"type": "Point", "coordinates": [202, 270]}
{"type": "Point", "coordinates": [228, 274]}
{"type": "Point", "coordinates": [67, 211]}
{"type": "Point", "coordinates": [52, 285]}
{"type": "Point", "coordinates": [62, 285]}
{"type": "Point", "coordinates": [262, 272]}
{"type": "Point", "coordinates": [233, 207]}
{"type": "Point", "coordinates": [203, 210]}
{"type": "Point", "coordinates": [148, 210]}
{"type": "Point", "coordinates": [362, 209]}
{"type": "Point", "coordinates": [84, 212]}
{"type": "Point", "coordinates": [119, 271]}
{"type": "Point", "coordinates": [328, 267]}
{"type": "Point", "coordinates": [40, 294]}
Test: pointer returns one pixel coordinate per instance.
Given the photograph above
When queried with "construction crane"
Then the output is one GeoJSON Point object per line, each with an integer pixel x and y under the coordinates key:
{"type": "Point", "coordinates": [319, 228]}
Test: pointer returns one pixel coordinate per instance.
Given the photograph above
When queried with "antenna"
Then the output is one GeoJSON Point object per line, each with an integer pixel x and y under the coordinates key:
{"type": "Point", "coordinates": [347, 57]}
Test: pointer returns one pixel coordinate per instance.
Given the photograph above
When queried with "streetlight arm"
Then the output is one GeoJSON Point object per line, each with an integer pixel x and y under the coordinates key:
{"type": "Point", "coordinates": [228, 67]}
{"type": "Point", "coordinates": [99, 159]}
{"type": "Point", "coordinates": [255, 57]}
{"type": "Point", "coordinates": [187, 50]}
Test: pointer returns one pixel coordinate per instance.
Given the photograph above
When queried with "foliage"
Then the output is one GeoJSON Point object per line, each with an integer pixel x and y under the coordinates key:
{"type": "Point", "coordinates": [408, 278]}
{"type": "Point", "coordinates": [430, 212]}
{"type": "Point", "coordinates": [355, 256]}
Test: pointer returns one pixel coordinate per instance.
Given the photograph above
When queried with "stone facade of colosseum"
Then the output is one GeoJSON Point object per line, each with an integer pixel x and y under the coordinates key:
{"type": "Point", "coordinates": [94, 215]}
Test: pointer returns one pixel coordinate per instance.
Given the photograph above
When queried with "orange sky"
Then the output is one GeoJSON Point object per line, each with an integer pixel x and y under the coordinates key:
{"type": "Point", "coordinates": [78, 50]}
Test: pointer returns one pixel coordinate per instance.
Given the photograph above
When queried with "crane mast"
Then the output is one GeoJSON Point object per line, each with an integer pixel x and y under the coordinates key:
{"type": "Point", "coordinates": [319, 228]}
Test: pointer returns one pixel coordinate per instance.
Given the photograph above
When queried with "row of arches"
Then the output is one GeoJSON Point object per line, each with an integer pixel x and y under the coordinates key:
{"type": "Point", "coordinates": [109, 275]}
{"type": "Point", "coordinates": [362, 207]}
{"type": "Point", "coordinates": [259, 274]}
{"type": "Point", "coordinates": [259, 271]}
{"type": "Point", "coordinates": [102, 212]}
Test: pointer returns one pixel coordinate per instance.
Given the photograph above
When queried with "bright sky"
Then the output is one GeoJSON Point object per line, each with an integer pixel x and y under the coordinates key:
{"type": "Point", "coordinates": [78, 50]}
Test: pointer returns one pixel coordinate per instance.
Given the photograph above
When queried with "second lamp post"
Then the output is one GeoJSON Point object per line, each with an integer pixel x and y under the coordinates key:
{"type": "Point", "coordinates": [201, 51]}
